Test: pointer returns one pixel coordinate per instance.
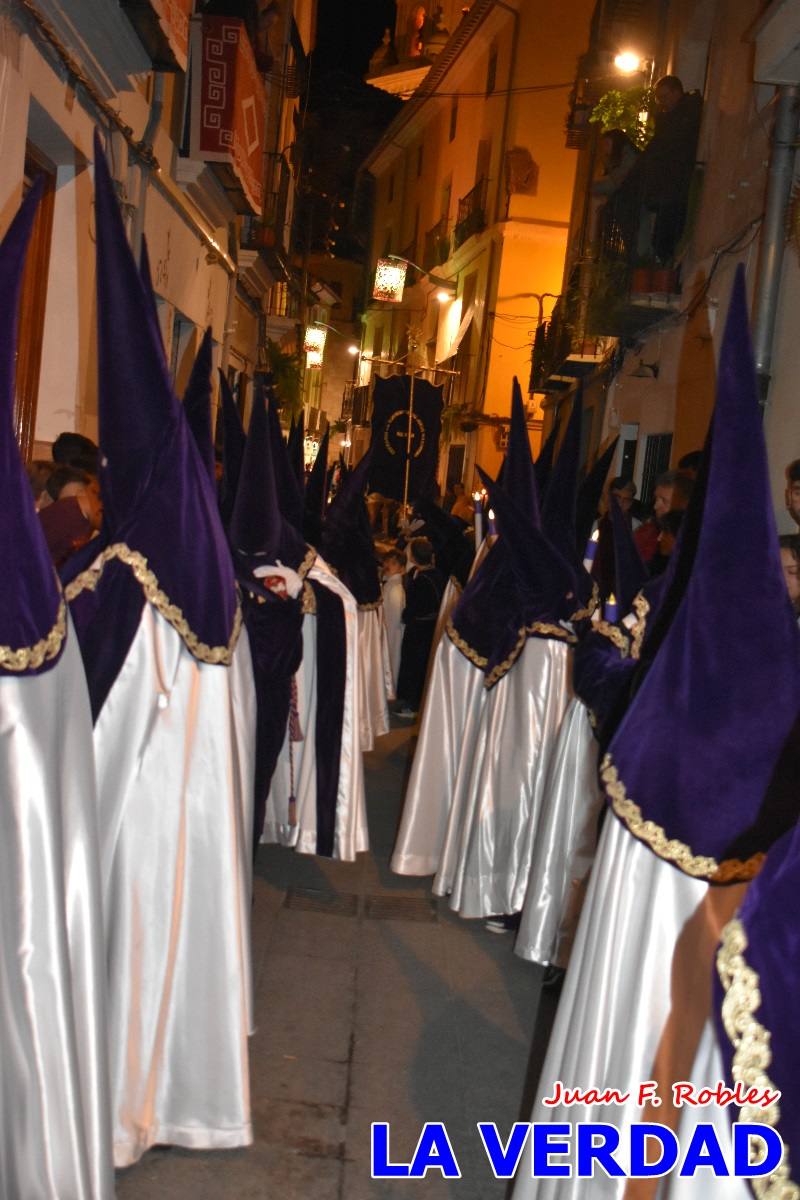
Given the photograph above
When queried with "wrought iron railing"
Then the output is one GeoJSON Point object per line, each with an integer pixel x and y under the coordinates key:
{"type": "Point", "coordinates": [471, 213]}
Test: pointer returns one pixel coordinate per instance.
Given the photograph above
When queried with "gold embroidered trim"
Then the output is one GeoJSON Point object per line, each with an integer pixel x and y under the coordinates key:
{"type": "Point", "coordinates": [504, 667]}
{"type": "Point", "coordinates": [615, 635]}
{"type": "Point", "coordinates": [309, 599]}
{"type": "Point", "coordinates": [752, 1050]}
{"type": "Point", "coordinates": [641, 607]}
{"type": "Point", "coordinates": [732, 870]}
{"type": "Point", "coordinates": [29, 658]}
{"type": "Point", "coordinates": [373, 604]}
{"type": "Point", "coordinates": [307, 563]}
{"type": "Point", "coordinates": [89, 579]}
{"type": "Point", "coordinates": [583, 614]}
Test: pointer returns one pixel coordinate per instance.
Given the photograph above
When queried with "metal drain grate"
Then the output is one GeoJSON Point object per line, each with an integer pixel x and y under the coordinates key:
{"type": "Point", "coordinates": [400, 908]}
{"type": "Point", "coordinates": [340, 904]}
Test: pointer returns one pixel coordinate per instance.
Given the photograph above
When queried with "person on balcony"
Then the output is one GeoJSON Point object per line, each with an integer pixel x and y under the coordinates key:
{"type": "Point", "coordinates": [616, 219]}
{"type": "Point", "coordinates": [661, 177]}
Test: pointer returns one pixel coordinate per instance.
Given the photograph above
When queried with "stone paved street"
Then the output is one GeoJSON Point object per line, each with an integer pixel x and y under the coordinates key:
{"type": "Point", "coordinates": [372, 1003]}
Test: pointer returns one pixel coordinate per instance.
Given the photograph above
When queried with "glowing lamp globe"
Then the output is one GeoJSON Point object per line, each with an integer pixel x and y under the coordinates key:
{"type": "Point", "coordinates": [390, 279]}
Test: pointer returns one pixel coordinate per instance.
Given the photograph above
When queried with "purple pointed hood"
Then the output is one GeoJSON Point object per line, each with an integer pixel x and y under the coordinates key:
{"type": "Point", "coordinates": [161, 528]}
{"type": "Point", "coordinates": [197, 404]}
{"type": "Point", "coordinates": [559, 510]}
{"type": "Point", "coordinates": [589, 495]}
{"type": "Point", "coordinates": [296, 450]}
{"type": "Point", "coordinates": [510, 597]}
{"type": "Point", "coordinates": [519, 476]}
{"type": "Point", "coordinates": [290, 496]}
{"type": "Point", "coordinates": [347, 538]}
{"type": "Point", "coordinates": [231, 429]}
{"type": "Point", "coordinates": [544, 463]}
{"type": "Point", "coordinates": [630, 572]}
{"type": "Point", "coordinates": [315, 496]}
{"type": "Point", "coordinates": [690, 768]}
{"type": "Point", "coordinates": [32, 615]}
{"type": "Point", "coordinates": [258, 529]}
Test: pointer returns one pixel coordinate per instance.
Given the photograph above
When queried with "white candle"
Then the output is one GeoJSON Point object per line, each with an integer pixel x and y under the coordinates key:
{"type": "Point", "coordinates": [591, 550]}
{"type": "Point", "coordinates": [477, 504]}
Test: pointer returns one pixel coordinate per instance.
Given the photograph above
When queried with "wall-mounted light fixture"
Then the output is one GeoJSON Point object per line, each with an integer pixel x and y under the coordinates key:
{"type": "Point", "coordinates": [390, 280]}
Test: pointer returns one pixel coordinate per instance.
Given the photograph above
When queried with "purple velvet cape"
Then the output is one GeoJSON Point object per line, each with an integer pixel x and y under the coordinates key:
{"type": "Point", "coordinates": [689, 768]}
{"type": "Point", "coordinates": [32, 602]}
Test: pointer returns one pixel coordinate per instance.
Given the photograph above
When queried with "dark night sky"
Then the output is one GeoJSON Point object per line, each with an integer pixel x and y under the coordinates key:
{"type": "Point", "coordinates": [348, 31]}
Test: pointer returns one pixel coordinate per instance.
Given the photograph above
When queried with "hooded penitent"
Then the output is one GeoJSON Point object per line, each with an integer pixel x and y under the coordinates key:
{"type": "Point", "coordinates": [197, 404]}
{"type": "Point", "coordinates": [33, 614]}
{"type": "Point", "coordinates": [690, 770]}
{"type": "Point", "coordinates": [295, 448]}
{"type": "Point", "coordinates": [230, 433]}
{"type": "Point", "coordinates": [560, 505]}
{"type": "Point", "coordinates": [347, 538]}
{"type": "Point", "coordinates": [290, 490]}
{"type": "Point", "coordinates": [54, 1094]}
{"type": "Point", "coordinates": [157, 496]}
{"type": "Point", "coordinates": [589, 494]}
{"type": "Point", "coordinates": [755, 1003]}
{"type": "Point", "coordinates": [261, 537]}
{"type": "Point", "coordinates": [523, 588]}
{"type": "Point", "coordinates": [315, 495]}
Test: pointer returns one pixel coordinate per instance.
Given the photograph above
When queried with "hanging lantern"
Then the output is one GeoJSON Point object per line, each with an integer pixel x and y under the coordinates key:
{"type": "Point", "coordinates": [390, 279]}
{"type": "Point", "coordinates": [314, 359]}
{"type": "Point", "coordinates": [314, 341]}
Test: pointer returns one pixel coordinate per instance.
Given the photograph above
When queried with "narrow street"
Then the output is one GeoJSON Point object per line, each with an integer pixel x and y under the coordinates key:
{"type": "Point", "coordinates": [372, 1003]}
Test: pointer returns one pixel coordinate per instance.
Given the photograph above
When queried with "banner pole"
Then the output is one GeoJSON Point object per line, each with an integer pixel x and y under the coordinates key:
{"type": "Point", "coordinates": [408, 443]}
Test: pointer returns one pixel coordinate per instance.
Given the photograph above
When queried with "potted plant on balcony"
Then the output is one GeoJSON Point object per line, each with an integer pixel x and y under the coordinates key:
{"type": "Point", "coordinates": [629, 110]}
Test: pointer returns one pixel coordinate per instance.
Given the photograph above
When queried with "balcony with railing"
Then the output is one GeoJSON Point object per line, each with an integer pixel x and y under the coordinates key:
{"type": "Point", "coordinates": [437, 245]}
{"type": "Point", "coordinates": [356, 403]}
{"type": "Point", "coordinates": [471, 213]}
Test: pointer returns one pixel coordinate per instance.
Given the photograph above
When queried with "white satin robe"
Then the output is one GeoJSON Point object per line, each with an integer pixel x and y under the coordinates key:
{"type": "Point", "coordinates": [565, 844]}
{"type": "Point", "coordinates": [449, 729]}
{"type": "Point", "coordinates": [634, 1007]}
{"type": "Point", "coordinates": [394, 601]}
{"type": "Point", "coordinates": [174, 745]}
{"type": "Point", "coordinates": [351, 832]}
{"type": "Point", "coordinates": [55, 1127]}
{"type": "Point", "coordinates": [374, 674]}
{"type": "Point", "coordinates": [486, 856]}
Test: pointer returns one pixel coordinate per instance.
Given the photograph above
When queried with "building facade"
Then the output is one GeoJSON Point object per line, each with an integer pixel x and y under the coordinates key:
{"type": "Point", "coordinates": [473, 183]}
{"type": "Point", "coordinates": [657, 341]}
{"type": "Point", "coordinates": [196, 109]}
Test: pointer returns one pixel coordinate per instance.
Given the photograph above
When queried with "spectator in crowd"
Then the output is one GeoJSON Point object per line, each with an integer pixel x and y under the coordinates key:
{"type": "Point", "coordinates": [394, 601]}
{"type": "Point", "coordinates": [792, 493]}
{"type": "Point", "coordinates": [604, 568]}
{"type": "Point", "coordinates": [619, 156]}
{"type": "Point", "coordinates": [424, 588]}
{"type": "Point", "coordinates": [660, 178]}
{"type": "Point", "coordinates": [75, 450]}
{"type": "Point", "coordinates": [462, 505]}
{"type": "Point", "coordinates": [672, 492]}
{"type": "Point", "coordinates": [39, 471]}
{"type": "Point", "coordinates": [668, 525]}
{"type": "Point", "coordinates": [75, 514]}
{"type": "Point", "coordinates": [790, 561]}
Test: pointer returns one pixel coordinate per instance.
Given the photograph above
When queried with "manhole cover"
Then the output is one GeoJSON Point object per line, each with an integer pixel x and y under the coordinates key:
{"type": "Point", "coordinates": [341, 904]}
{"type": "Point", "coordinates": [400, 908]}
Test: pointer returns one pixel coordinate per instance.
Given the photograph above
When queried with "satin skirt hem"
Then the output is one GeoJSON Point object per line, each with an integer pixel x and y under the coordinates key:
{"type": "Point", "coordinates": [128, 1153]}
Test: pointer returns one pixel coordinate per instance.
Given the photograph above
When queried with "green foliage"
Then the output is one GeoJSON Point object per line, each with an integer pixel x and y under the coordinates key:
{"type": "Point", "coordinates": [623, 110]}
{"type": "Point", "coordinates": [285, 370]}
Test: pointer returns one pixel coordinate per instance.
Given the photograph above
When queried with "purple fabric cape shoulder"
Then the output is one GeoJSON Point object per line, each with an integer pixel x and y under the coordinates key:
{"type": "Point", "coordinates": [160, 515]}
{"type": "Point", "coordinates": [756, 983]}
{"type": "Point", "coordinates": [689, 768]}
{"type": "Point", "coordinates": [32, 614]}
